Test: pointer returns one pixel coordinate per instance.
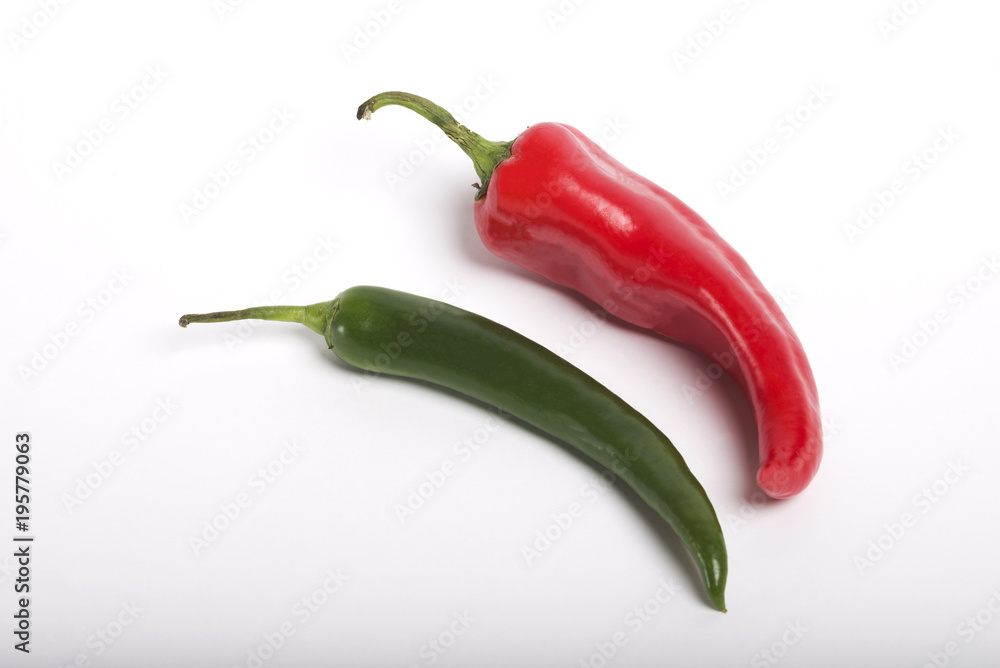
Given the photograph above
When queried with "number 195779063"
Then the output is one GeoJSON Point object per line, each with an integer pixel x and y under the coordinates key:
{"type": "Point", "coordinates": [22, 487]}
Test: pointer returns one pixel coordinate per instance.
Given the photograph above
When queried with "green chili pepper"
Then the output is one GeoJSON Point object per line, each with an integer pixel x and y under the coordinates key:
{"type": "Point", "coordinates": [396, 333]}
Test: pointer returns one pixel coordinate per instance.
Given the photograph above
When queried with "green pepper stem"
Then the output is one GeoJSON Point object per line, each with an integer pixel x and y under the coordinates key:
{"type": "Point", "coordinates": [485, 154]}
{"type": "Point", "coordinates": [316, 316]}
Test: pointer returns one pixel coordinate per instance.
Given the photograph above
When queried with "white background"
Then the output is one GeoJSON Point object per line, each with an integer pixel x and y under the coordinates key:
{"type": "Point", "coordinates": [103, 248]}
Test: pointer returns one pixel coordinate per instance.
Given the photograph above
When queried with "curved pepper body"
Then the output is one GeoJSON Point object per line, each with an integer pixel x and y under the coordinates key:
{"type": "Point", "coordinates": [490, 362]}
{"type": "Point", "coordinates": [564, 208]}
{"type": "Point", "coordinates": [556, 203]}
{"type": "Point", "coordinates": [390, 332]}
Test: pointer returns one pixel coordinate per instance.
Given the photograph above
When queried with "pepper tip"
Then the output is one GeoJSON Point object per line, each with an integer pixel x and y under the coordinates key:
{"type": "Point", "coordinates": [183, 322]}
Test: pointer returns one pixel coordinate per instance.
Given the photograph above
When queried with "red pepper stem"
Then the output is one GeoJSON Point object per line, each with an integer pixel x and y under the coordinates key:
{"type": "Point", "coordinates": [485, 154]}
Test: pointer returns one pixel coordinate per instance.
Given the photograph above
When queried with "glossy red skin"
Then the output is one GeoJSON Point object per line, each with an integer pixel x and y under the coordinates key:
{"type": "Point", "coordinates": [564, 208]}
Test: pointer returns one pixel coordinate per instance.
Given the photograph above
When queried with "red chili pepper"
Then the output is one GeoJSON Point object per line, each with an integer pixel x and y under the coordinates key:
{"type": "Point", "coordinates": [554, 202]}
